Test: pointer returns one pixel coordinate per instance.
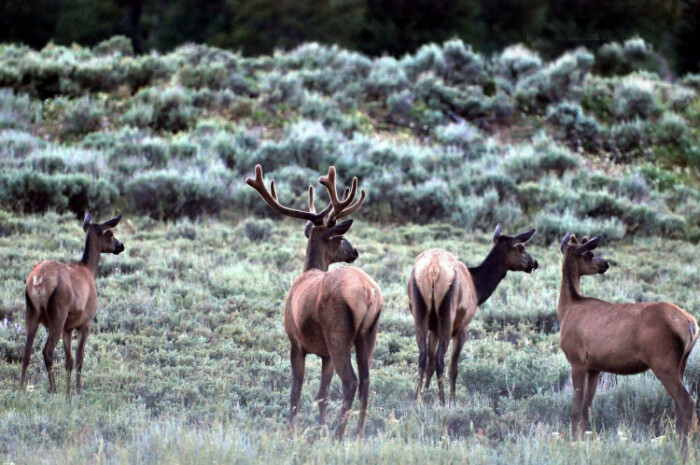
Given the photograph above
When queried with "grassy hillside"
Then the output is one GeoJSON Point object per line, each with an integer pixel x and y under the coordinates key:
{"type": "Point", "coordinates": [188, 359]}
{"type": "Point", "coordinates": [442, 135]}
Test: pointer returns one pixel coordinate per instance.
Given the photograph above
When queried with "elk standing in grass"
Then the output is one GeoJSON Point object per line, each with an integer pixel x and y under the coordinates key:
{"type": "Point", "coordinates": [443, 295]}
{"type": "Point", "coordinates": [620, 338]}
{"type": "Point", "coordinates": [329, 312]}
{"type": "Point", "coordinates": [63, 298]}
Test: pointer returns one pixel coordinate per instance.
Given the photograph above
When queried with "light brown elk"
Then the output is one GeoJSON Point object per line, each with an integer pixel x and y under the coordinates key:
{"type": "Point", "coordinates": [327, 313]}
{"type": "Point", "coordinates": [63, 298]}
{"type": "Point", "coordinates": [443, 294]}
{"type": "Point", "coordinates": [620, 338]}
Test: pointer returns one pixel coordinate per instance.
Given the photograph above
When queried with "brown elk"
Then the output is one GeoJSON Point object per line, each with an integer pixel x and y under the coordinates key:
{"type": "Point", "coordinates": [63, 298]}
{"type": "Point", "coordinates": [443, 294]}
{"type": "Point", "coordinates": [620, 338]}
{"type": "Point", "coordinates": [328, 312]}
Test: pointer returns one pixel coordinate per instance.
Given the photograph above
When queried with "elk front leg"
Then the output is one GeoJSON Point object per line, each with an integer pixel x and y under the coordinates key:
{"type": "Point", "coordinates": [578, 379]}
{"type": "Point", "coordinates": [591, 386]}
{"type": "Point", "coordinates": [82, 339]}
{"type": "Point", "coordinates": [297, 358]}
{"type": "Point", "coordinates": [326, 377]}
{"type": "Point", "coordinates": [67, 340]}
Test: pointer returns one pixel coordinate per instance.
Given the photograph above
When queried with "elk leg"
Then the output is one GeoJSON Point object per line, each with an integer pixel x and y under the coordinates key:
{"type": "Point", "coordinates": [440, 366]}
{"type": "Point", "coordinates": [457, 344]}
{"type": "Point", "coordinates": [420, 313]}
{"type": "Point", "coordinates": [364, 349]}
{"type": "Point", "coordinates": [326, 377]}
{"type": "Point", "coordinates": [55, 332]}
{"type": "Point", "coordinates": [591, 386]}
{"type": "Point", "coordinates": [432, 350]}
{"type": "Point", "coordinates": [685, 405]}
{"type": "Point", "coordinates": [31, 319]}
{"type": "Point", "coordinates": [82, 339]}
{"type": "Point", "coordinates": [578, 378]}
{"type": "Point", "coordinates": [67, 340]}
{"type": "Point", "coordinates": [343, 366]}
{"type": "Point", "coordinates": [297, 358]}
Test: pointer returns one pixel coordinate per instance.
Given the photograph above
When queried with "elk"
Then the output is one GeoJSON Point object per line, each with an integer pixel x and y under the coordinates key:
{"type": "Point", "coordinates": [327, 313]}
{"type": "Point", "coordinates": [443, 294]}
{"type": "Point", "coordinates": [620, 338]}
{"type": "Point", "coordinates": [63, 298]}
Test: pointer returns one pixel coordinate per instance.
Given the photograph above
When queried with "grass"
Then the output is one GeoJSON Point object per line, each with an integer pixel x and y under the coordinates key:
{"type": "Point", "coordinates": [187, 362]}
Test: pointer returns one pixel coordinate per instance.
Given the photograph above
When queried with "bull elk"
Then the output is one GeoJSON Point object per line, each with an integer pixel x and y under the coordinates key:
{"type": "Point", "coordinates": [443, 294]}
{"type": "Point", "coordinates": [63, 298]}
{"type": "Point", "coordinates": [620, 338]}
{"type": "Point", "coordinates": [328, 312]}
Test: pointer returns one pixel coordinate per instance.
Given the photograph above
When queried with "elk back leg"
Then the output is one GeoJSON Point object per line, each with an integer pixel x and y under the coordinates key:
{"type": "Point", "coordinates": [31, 319]}
{"type": "Point", "coordinates": [420, 324]}
{"type": "Point", "coordinates": [364, 349]}
{"type": "Point", "coordinates": [82, 340]}
{"type": "Point", "coordinates": [297, 358]}
{"type": "Point", "coordinates": [686, 421]}
{"type": "Point", "coordinates": [445, 321]}
{"type": "Point", "coordinates": [322, 399]}
{"type": "Point", "coordinates": [457, 344]}
{"type": "Point", "coordinates": [341, 362]}
{"type": "Point", "coordinates": [432, 350]}
{"type": "Point", "coordinates": [67, 340]}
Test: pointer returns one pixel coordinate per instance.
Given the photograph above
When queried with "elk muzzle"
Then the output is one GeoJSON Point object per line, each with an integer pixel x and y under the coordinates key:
{"type": "Point", "coordinates": [118, 247]}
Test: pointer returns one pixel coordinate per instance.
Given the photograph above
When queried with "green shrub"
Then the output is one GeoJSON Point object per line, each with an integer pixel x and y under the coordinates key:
{"type": "Point", "coordinates": [167, 196]}
{"type": "Point", "coordinates": [82, 116]}
{"type": "Point", "coordinates": [628, 141]}
{"type": "Point", "coordinates": [18, 111]}
{"type": "Point", "coordinates": [117, 46]}
{"type": "Point", "coordinates": [576, 128]}
{"type": "Point", "coordinates": [385, 77]}
{"type": "Point", "coordinates": [636, 97]}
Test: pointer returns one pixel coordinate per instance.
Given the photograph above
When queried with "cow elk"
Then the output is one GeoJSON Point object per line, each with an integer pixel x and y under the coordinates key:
{"type": "Point", "coordinates": [620, 338]}
{"type": "Point", "coordinates": [443, 294]}
{"type": "Point", "coordinates": [327, 313]}
{"type": "Point", "coordinates": [63, 298]}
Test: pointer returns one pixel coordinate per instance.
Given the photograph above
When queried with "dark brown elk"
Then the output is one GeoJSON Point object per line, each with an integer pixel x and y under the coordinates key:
{"type": "Point", "coordinates": [63, 298]}
{"type": "Point", "coordinates": [327, 313]}
{"type": "Point", "coordinates": [620, 338]}
{"type": "Point", "coordinates": [443, 294]}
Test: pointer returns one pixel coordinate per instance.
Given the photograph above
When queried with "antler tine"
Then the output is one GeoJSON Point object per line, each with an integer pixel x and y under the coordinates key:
{"type": "Point", "coordinates": [353, 207]}
{"type": "Point", "coordinates": [270, 198]}
{"type": "Point", "coordinates": [312, 209]}
{"type": "Point", "coordinates": [339, 206]}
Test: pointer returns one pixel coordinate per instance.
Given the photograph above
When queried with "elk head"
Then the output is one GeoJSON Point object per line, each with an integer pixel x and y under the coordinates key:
{"type": "Point", "coordinates": [326, 241]}
{"type": "Point", "coordinates": [581, 256]}
{"type": "Point", "coordinates": [103, 235]}
{"type": "Point", "coordinates": [513, 249]}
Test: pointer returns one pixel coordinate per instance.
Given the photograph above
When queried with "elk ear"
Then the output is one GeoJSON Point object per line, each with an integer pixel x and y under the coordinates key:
{"type": "Point", "coordinates": [565, 242]}
{"type": "Point", "coordinates": [497, 233]}
{"type": "Point", "coordinates": [307, 230]}
{"type": "Point", "coordinates": [338, 229]}
{"type": "Point", "coordinates": [590, 245]}
{"type": "Point", "coordinates": [523, 237]}
{"type": "Point", "coordinates": [86, 221]}
{"type": "Point", "coordinates": [109, 224]}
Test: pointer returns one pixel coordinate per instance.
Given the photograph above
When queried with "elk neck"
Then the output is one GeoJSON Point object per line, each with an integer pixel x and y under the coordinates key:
{"type": "Point", "coordinates": [314, 258]}
{"type": "Point", "coordinates": [91, 254]}
{"type": "Point", "coordinates": [488, 275]}
{"type": "Point", "coordinates": [570, 281]}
